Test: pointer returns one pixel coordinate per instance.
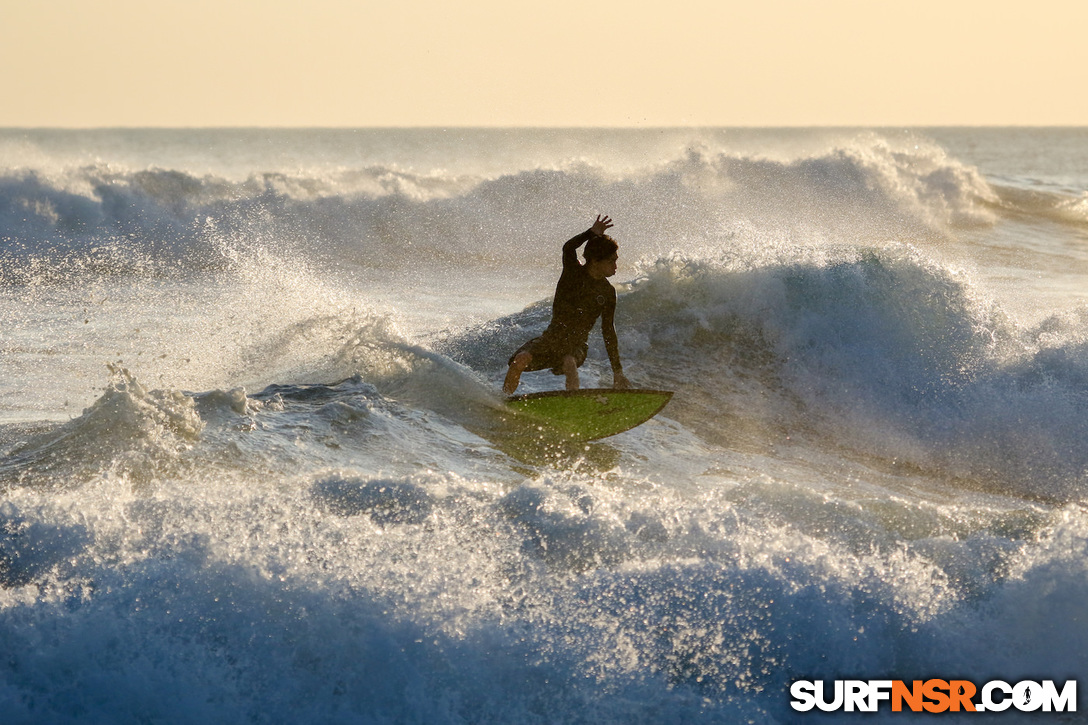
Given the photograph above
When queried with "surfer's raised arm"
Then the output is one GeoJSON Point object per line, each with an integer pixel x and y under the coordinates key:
{"type": "Point", "coordinates": [570, 249]}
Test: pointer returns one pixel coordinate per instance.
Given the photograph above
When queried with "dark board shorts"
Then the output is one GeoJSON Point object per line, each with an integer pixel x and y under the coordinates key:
{"type": "Point", "coordinates": [548, 352]}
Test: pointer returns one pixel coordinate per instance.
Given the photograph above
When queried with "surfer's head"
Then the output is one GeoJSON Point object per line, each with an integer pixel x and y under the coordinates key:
{"type": "Point", "coordinates": [601, 254]}
{"type": "Point", "coordinates": [600, 247]}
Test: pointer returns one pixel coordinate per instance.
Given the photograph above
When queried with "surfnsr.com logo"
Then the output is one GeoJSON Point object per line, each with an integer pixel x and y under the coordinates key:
{"type": "Point", "coordinates": [933, 696]}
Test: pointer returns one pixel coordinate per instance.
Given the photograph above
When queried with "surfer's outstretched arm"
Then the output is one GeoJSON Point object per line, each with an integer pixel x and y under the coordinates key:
{"type": "Point", "coordinates": [612, 345]}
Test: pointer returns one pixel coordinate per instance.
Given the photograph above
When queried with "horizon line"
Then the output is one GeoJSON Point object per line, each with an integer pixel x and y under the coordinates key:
{"type": "Point", "coordinates": [437, 127]}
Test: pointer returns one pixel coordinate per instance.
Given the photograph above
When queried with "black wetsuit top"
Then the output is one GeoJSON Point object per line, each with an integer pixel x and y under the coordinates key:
{"type": "Point", "coordinates": [579, 301]}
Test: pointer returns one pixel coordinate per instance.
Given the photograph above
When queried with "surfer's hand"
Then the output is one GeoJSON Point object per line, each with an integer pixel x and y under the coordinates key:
{"type": "Point", "coordinates": [601, 225]}
{"type": "Point", "coordinates": [620, 382]}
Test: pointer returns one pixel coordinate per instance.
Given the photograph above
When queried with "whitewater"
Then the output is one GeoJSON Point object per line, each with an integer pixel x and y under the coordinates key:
{"type": "Point", "coordinates": [254, 465]}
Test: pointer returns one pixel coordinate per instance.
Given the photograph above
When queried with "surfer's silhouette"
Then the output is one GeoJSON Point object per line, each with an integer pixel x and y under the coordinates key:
{"type": "Point", "coordinates": [582, 295]}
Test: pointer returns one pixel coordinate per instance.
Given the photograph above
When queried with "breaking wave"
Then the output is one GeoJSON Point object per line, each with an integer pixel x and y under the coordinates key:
{"type": "Point", "coordinates": [101, 219]}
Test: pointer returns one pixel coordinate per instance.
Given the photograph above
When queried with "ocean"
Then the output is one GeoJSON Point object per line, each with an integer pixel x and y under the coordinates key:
{"type": "Point", "coordinates": [254, 465]}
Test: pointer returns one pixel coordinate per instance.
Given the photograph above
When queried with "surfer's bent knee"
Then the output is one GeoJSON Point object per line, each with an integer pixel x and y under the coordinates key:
{"type": "Point", "coordinates": [522, 360]}
{"type": "Point", "coordinates": [517, 367]}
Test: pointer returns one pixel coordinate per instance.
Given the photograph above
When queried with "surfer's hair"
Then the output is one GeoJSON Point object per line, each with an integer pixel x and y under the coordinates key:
{"type": "Point", "coordinates": [600, 247]}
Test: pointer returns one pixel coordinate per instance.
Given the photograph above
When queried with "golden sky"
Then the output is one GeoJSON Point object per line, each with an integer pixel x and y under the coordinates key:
{"type": "Point", "coordinates": [85, 63]}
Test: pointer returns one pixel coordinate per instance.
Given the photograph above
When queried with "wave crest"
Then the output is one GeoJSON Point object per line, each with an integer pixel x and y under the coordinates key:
{"type": "Point", "coordinates": [129, 431]}
{"type": "Point", "coordinates": [102, 219]}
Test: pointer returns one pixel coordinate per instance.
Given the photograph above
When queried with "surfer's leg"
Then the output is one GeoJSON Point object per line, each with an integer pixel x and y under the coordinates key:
{"type": "Point", "coordinates": [570, 369]}
{"type": "Point", "coordinates": [513, 374]}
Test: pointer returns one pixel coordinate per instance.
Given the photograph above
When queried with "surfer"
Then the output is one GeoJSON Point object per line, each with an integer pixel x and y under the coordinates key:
{"type": "Point", "coordinates": [582, 294]}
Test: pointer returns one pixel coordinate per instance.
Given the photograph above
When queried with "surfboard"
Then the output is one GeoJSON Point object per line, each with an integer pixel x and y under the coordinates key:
{"type": "Point", "coordinates": [590, 413]}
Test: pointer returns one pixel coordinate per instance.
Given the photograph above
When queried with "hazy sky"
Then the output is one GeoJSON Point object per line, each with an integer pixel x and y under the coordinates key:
{"type": "Point", "coordinates": [555, 63]}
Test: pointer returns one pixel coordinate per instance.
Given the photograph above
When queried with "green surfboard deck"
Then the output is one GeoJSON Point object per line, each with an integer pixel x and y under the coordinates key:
{"type": "Point", "coordinates": [590, 413]}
